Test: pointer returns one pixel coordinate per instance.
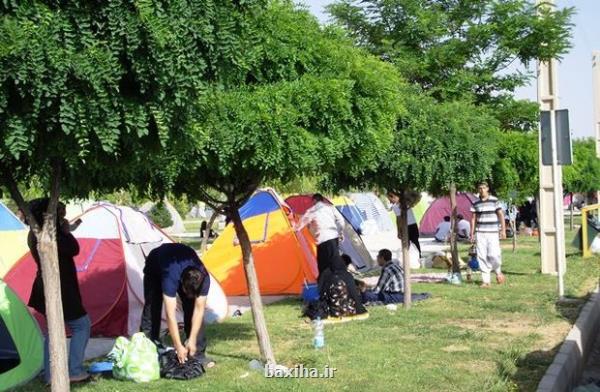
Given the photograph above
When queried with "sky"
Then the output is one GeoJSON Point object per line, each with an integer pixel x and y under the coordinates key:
{"type": "Point", "coordinates": [575, 69]}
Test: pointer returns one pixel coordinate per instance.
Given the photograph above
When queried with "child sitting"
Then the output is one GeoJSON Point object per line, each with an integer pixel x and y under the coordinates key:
{"type": "Point", "coordinates": [390, 286]}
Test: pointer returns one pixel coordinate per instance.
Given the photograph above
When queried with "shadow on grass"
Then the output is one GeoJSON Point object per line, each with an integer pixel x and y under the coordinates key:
{"type": "Point", "coordinates": [230, 331]}
{"type": "Point", "coordinates": [570, 307]}
{"type": "Point", "coordinates": [526, 371]}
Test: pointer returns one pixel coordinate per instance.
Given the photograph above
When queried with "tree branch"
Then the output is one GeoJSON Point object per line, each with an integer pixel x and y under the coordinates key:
{"type": "Point", "coordinates": [17, 196]}
{"type": "Point", "coordinates": [54, 187]}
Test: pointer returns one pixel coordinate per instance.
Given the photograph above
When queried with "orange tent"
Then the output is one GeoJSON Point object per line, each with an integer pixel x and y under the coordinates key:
{"type": "Point", "coordinates": [284, 259]}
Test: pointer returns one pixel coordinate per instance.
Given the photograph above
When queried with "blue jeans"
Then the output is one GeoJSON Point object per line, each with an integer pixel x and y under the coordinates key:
{"type": "Point", "coordinates": [80, 330]}
{"type": "Point", "coordinates": [386, 298]}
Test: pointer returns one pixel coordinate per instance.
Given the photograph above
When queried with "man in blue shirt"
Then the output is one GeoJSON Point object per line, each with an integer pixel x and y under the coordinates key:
{"type": "Point", "coordinates": [171, 270]}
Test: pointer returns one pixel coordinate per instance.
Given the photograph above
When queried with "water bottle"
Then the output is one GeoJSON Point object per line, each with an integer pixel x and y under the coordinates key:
{"type": "Point", "coordinates": [319, 340]}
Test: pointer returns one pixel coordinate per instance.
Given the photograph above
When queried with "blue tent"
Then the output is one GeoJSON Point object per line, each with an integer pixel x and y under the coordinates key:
{"type": "Point", "coordinates": [8, 220]}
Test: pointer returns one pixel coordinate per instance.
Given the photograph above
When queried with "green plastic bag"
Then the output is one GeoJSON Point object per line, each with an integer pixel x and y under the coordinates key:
{"type": "Point", "coordinates": [135, 360]}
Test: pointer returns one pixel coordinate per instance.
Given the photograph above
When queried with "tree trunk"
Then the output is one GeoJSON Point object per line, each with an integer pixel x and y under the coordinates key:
{"type": "Point", "coordinates": [260, 325]}
{"type": "Point", "coordinates": [571, 213]}
{"type": "Point", "coordinates": [209, 226]}
{"type": "Point", "coordinates": [453, 245]}
{"type": "Point", "coordinates": [405, 252]}
{"type": "Point", "coordinates": [513, 224]}
{"type": "Point", "coordinates": [48, 252]}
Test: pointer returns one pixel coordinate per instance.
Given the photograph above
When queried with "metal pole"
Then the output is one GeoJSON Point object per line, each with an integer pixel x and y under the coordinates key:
{"type": "Point", "coordinates": [551, 221]}
{"type": "Point", "coordinates": [596, 86]}
{"type": "Point", "coordinates": [558, 211]}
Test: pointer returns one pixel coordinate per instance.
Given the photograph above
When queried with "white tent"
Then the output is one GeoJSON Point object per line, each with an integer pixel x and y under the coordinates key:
{"type": "Point", "coordinates": [114, 242]}
{"type": "Point", "coordinates": [177, 227]}
{"type": "Point", "coordinates": [380, 229]}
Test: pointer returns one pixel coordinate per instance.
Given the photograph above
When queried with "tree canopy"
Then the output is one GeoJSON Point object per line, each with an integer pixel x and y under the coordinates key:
{"type": "Point", "coordinates": [310, 102]}
{"type": "Point", "coordinates": [461, 49]}
{"type": "Point", "coordinates": [515, 173]}
{"type": "Point", "coordinates": [584, 174]}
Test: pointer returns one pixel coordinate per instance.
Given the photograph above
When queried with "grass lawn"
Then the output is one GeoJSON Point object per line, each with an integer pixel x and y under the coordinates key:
{"type": "Point", "coordinates": [463, 339]}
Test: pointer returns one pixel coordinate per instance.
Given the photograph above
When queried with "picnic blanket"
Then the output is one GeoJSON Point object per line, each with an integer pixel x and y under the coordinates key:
{"type": "Point", "coordinates": [415, 298]}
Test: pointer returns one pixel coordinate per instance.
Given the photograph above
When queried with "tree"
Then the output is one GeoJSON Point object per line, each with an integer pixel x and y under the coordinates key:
{"type": "Point", "coordinates": [89, 90]}
{"type": "Point", "coordinates": [303, 101]}
{"type": "Point", "coordinates": [583, 176]}
{"type": "Point", "coordinates": [463, 159]}
{"type": "Point", "coordinates": [461, 49]}
{"type": "Point", "coordinates": [515, 171]}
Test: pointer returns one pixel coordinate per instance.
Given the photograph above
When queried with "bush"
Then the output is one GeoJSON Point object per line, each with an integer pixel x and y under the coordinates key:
{"type": "Point", "coordinates": [160, 215]}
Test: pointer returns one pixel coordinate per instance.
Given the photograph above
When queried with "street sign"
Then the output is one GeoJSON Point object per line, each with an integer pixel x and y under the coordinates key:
{"type": "Point", "coordinates": [564, 151]}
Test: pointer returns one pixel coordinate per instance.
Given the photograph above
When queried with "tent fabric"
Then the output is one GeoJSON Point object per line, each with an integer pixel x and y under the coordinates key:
{"type": "Point", "coordinates": [284, 260]}
{"type": "Point", "coordinates": [13, 239]}
{"type": "Point", "coordinates": [353, 244]}
{"type": "Point", "coordinates": [301, 203]}
{"type": "Point", "coordinates": [21, 344]}
{"type": "Point", "coordinates": [421, 207]}
{"type": "Point", "coordinates": [348, 209]}
{"type": "Point", "coordinates": [8, 220]}
{"type": "Point", "coordinates": [441, 207]}
{"type": "Point", "coordinates": [114, 242]}
{"type": "Point", "coordinates": [372, 209]}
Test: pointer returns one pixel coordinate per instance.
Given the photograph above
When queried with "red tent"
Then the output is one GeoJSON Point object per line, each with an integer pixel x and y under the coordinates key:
{"type": "Point", "coordinates": [113, 242]}
{"type": "Point", "coordinates": [441, 207]}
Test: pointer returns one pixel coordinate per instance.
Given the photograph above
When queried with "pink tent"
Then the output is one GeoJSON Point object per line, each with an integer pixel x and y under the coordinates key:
{"type": "Point", "coordinates": [441, 207]}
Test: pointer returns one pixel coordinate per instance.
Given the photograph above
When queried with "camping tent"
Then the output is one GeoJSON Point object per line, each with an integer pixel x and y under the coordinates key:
{"type": "Point", "coordinates": [347, 207]}
{"type": "Point", "coordinates": [21, 344]}
{"type": "Point", "coordinates": [352, 245]}
{"type": "Point", "coordinates": [13, 239]}
{"type": "Point", "coordinates": [441, 207]}
{"type": "Point", "coordinates": [284, 259]}
{"type": "Point", "coordinates": [373, 210]}
{"type": "Point", "coordinates": [114, 242]}
{"type": "Point", "coordinates": [177, 227]}
{"type": "Point", "coordinates": [421, 207]}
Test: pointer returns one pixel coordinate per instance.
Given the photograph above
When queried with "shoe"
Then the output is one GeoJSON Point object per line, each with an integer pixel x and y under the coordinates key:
{"type": "Point", "coordinates": [208, 363]}
{"type": "Point", "coordinates": [485, 285]}
{"type": "Point", "coordinates": [79, 378]}
{"type": "Point", "coordinates": [500, 278]}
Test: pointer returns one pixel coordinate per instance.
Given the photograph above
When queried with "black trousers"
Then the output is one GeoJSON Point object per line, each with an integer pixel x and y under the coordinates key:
{"type": "Point", "coordinates": [152, 313]}
{"type": "Point", "coordinates": [413, 236]}
{"type": "Point", "coordinates": [328, 256]}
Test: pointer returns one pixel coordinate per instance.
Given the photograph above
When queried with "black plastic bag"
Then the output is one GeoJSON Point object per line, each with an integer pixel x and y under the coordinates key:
{"type": "Point", "coordinates": [171, 368]}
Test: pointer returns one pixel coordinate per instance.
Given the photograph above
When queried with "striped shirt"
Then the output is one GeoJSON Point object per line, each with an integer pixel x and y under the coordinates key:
{"type": "Point", "coordinates": [486, 212]}
{"type": "Point", "coordinates": [391, 279]}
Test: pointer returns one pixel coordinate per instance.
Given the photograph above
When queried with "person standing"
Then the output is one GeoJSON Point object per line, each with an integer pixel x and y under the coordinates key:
{"type": "Point", "coordinates": [75, 315]}
{"type": "Point", "coordinates": [487, 229]}
{"type": "Point", "coordinates": [411, 221]}
{"type": "Point", "coordinates": [327, 227]}
{"type": "Point", "coordinates": [175, 269]}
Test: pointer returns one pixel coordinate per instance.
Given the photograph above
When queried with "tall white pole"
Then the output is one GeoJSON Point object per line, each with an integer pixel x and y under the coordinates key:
{"type": "Point", "coordinates": [550, 201]}
{"type": "Point", "coordinates": [596, 86]}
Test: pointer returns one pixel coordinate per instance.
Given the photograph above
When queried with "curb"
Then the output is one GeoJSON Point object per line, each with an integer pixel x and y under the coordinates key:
{"type": "Point", "coordinates": [565, 371]}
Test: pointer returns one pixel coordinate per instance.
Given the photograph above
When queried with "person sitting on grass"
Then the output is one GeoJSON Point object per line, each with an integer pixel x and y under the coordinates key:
{"type": "Point", "coordinates": [442, 232]}
{"type": "Point", "coordinates": [390, 286]}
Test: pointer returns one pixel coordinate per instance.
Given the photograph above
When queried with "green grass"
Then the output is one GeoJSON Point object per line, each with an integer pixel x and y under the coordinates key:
{"type": "Point", "coordinates": [462, 339]}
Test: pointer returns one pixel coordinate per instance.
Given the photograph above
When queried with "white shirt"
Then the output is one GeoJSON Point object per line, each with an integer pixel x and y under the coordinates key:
{"type": "Point", "coordinates": [410, 215]}
{"type": "Point", "coordinates": [463, 228]}
{"type": "Point", "coordinates": [442, 231]}
{"type": "Point", "coordinates": [324, 222]}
